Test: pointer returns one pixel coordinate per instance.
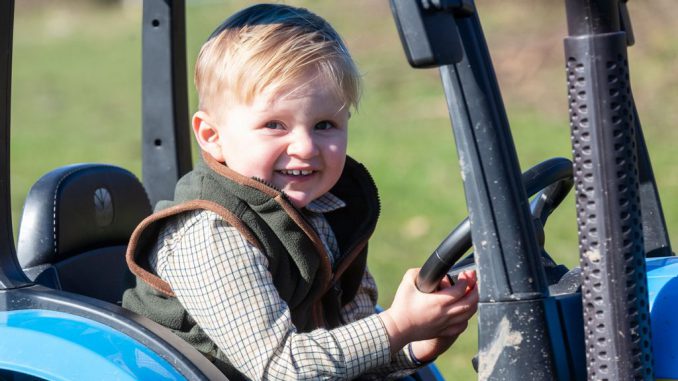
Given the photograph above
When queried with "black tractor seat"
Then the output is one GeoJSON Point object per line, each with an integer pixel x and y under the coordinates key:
{"type": "Point", "coordinates": [75, 226]}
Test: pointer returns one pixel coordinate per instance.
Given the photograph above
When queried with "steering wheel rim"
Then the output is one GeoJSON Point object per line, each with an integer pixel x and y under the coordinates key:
{"type": "Point", "coordinates": [552, 179]}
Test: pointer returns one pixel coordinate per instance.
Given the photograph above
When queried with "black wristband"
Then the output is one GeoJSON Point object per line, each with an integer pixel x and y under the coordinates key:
{"type": "Point", "coordinates": [415, 360]}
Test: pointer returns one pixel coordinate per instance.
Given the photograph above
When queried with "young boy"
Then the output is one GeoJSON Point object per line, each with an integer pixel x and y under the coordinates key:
{"type": "Point", "coordinates": [260, 261]}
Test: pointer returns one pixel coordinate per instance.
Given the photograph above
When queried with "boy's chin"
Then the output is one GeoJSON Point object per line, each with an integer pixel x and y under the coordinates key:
{"type": "Point", "coordinates": [298, 200]}
{"type": "Point", "coordinates": [299, 203]}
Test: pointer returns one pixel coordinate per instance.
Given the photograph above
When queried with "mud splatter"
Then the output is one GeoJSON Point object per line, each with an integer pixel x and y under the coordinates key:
{"type": "Point", "coordinates": [503, 338]}
{"type": "Point", "coordinates": [593, 255]}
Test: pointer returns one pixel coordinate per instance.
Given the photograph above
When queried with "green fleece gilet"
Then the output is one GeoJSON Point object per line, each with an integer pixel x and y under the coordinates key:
{"type": "Point", "coordinates": [298, 261]}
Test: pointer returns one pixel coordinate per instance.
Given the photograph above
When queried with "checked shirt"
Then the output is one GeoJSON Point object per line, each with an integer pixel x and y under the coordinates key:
{"type": "Point", "coordinates": [224, 284]}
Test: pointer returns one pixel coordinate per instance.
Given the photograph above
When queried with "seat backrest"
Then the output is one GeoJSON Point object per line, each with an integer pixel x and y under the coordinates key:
{"type": "Point", "coordinates": [75, 226]}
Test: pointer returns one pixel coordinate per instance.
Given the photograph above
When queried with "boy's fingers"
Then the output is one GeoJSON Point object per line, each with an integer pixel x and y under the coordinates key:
{"type": "Point", "coordinates": [455, 329]}
{"type": "Point", "coordinates": [464, 308]}
{"type": "Point", "coordinates": [409, 277]}
{"type": "Point", "coordinates": [470, 276]}
{"type": "Point", "coordinates": [473, 296]}
{"type": "Point", "coordinates": [445, 282]}
{"type": "Point", "coordinates": [470, 298]}
{"type": "Point", "coordinates": [462, 314]}
{"type": "Point", "coordinates": [411, 274]}
{"type": "Point", "coordinates": [455, 291]}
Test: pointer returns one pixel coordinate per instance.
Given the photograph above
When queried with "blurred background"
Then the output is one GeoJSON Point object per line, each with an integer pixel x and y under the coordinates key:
{"type": "Point", "coordinates": [77, 98]}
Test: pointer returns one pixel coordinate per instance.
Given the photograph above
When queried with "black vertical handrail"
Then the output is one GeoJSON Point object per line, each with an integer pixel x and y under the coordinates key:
{"type": "Point", "coordinates": [514, 307]}
{"type": "Point", "coordinates": [655, 233]}
{"type": "Point", "coordinates": [11, 275]}
{"type": "Point", "coordinates": [166, 147]}
{"type": "Point", "coordinates": [519, 331]}
{"type": "Point", "coordinates": [605, 142]}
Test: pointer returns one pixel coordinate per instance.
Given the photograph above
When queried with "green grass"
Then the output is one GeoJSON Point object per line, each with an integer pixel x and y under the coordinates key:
{"type": "Point", "coordinates": [77, 96]}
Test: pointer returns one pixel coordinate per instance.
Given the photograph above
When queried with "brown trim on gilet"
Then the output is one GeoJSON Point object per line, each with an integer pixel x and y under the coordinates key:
{"type": "Point", "coordinates": [316, 295]}
{"type": "Point", "coordinates": [296, 217]}
{"type": "Point", "coordinates": [155, 281]}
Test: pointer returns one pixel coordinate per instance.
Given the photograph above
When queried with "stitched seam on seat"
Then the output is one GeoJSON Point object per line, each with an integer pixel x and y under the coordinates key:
{"type": "Point", "coordinates": [54, 205]}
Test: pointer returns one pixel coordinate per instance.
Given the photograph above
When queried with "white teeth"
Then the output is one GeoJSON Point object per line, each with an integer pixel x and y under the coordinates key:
{"type": "Point", "coordinates": [296, 172]}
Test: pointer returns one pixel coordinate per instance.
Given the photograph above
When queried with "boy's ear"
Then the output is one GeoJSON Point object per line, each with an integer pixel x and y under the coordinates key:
{"type": "Point", "coordinates": [207, 135]}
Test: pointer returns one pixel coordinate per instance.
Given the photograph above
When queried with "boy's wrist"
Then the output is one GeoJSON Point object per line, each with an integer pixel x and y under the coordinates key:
{"type": "Point", "coordinates": [395, 336]}
{"type": "Point", "coordinates": [416, 361]}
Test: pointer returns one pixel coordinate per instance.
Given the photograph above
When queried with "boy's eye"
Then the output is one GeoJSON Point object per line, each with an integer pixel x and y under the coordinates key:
{"type": "Point", "coordinates": [324, 125]}
{"type": "Point", "coordinates": [274, 125]}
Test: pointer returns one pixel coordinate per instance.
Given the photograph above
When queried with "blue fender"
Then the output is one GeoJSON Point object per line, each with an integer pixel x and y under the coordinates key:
{"type": "Point", "coordinates": [59, 346]}
{"type": "Point", "coordinates": [662, 282]}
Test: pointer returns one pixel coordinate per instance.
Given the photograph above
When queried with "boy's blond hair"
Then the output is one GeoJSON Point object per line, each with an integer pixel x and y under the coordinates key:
{"type": "Point", "coordinates": [267, 47]}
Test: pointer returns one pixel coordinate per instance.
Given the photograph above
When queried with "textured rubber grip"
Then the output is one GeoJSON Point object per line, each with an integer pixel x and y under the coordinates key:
{"type": "Point", "coordinates": [614, 287]}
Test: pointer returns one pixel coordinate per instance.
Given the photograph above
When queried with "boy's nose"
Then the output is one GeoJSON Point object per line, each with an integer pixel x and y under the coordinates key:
{"type": "Point", "coordinates": [302, 145]}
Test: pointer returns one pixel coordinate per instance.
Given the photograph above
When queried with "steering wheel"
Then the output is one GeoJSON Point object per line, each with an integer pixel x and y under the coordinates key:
{"type": "Point", "coordinates": [550, 180]}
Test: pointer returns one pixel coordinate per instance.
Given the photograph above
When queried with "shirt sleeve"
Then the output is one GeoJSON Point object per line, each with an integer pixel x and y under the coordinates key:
{"type": "Point", "coordinates": [224, 284]}
{"type": "Point", "coordinates": [363, 305]}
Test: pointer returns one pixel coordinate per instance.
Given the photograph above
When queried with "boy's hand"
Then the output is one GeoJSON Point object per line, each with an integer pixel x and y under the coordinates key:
{"type": "Point", "coordinates": [428, 350]}
{"type": "Point", "coordinates": [439, 316]}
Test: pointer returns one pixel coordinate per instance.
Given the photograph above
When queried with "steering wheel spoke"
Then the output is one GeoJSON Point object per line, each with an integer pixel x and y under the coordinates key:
{"type": "Point", "coordinates": [551, 180]}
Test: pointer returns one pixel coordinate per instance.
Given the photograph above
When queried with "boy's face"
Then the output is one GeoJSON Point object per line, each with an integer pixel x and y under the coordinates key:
{"type": "Point", "coordinates": [294, 138]}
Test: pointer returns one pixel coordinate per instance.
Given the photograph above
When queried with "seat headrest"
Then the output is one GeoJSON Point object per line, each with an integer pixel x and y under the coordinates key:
{"type": "Point", "coordinates": [78, 208]}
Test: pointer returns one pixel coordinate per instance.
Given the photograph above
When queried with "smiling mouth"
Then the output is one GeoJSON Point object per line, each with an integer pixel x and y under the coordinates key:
{"type": "Point", "coordinates": [296, 172]}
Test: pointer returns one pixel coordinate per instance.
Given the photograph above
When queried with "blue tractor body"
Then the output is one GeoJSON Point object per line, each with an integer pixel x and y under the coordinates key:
{"type": "Point", "coordinates": [612, 318]}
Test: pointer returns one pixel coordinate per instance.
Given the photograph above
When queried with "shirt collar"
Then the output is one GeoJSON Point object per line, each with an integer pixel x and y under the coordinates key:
{"type": "Point", "coordinates": [325, 203]}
